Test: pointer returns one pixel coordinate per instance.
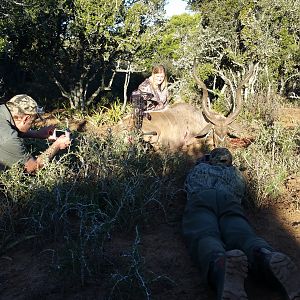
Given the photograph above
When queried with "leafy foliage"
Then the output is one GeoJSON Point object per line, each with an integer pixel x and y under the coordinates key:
{"type": "Point", "coordinates": [264, 31]}
{"type": "Point", "coordinates": [76, 43]}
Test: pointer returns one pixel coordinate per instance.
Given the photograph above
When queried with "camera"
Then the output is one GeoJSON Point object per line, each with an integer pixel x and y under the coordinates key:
{"type": "Point", "coordinates": [57, 133]}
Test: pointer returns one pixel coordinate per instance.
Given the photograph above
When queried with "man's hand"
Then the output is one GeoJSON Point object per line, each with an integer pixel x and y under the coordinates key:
{"type": "Point", "coordinates": [33, 164]}
{"type": "Point", "coordinates": [62, 142]}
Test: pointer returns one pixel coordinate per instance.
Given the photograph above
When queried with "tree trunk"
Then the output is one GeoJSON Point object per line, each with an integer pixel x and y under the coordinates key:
{"type": "Point", "coordinates": [126, 83]}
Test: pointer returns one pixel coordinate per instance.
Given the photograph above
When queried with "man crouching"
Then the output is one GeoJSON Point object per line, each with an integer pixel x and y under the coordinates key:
{"type": "Point", "coordinates": [16, 118]}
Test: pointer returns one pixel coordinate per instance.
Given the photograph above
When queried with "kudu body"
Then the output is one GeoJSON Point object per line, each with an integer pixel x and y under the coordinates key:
{"type": "Point", "coordinates": [179, 124]}
{"type": "Point", "coordinates": [176, 126]}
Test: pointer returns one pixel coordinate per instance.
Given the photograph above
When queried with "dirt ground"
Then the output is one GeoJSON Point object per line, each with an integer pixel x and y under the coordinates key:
{"type": "Point", "coordinates": [25, 275]}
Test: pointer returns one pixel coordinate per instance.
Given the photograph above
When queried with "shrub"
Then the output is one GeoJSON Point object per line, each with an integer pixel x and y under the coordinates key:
{"type": "Point", "coordinates": [268, 161]}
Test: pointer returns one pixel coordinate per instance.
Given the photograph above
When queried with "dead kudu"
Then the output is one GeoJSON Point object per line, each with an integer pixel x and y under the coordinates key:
{"type": "Point", "coordinates": [181, 124]}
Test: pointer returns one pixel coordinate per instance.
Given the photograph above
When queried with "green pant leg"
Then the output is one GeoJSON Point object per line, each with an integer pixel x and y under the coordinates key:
{"type": "Point", "coordinates": [201, 229]}
{"type": "Point", "coordinates": [236, 232]}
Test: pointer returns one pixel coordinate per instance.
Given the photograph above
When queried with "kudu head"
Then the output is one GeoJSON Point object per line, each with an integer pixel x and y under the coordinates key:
{"type": "Point", "coordinates": [218, 123]}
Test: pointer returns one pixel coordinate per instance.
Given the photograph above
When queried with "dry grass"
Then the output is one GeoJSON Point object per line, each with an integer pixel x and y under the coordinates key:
{"type": "Point", "coordinates": [102, 186]}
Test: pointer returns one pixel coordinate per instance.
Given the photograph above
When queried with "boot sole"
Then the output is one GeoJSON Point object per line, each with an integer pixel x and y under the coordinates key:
{"type": "Point", "coordinates": [287, 273]}
{"type": "Point", "coordinates": [235, 274]}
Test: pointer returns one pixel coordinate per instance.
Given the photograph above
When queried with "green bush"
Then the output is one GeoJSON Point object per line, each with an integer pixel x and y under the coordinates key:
{"type": "Point", "coordinates": [269, 161]}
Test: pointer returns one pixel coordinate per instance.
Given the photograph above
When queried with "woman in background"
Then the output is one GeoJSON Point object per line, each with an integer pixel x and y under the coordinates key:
{"type": "Point", "coordinates": [154, 89]}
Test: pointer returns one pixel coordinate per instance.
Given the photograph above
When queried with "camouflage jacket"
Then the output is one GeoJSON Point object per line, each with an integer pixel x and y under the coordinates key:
{"type": "Point", "coordinates": [227, 179]}
{"type": "Point", "coordinates": [159, 96]}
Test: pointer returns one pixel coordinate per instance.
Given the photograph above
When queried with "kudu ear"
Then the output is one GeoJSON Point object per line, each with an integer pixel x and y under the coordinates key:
{"type": "Point", "coordinates": [232, 133]}
{"type": "Point", "coordinates": [205, 130]}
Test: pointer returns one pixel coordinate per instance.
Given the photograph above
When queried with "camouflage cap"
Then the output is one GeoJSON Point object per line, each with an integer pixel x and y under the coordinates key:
{"type": "Point", "coordinates": [220, 156]}
{"type": "Point", "coordinates": [24, 104]}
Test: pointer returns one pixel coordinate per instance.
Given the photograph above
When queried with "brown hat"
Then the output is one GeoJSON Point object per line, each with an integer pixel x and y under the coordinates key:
{"type": "Point", "coordinates": [220, 156]}
{"type": "Point", "coordinates": [24, 104]}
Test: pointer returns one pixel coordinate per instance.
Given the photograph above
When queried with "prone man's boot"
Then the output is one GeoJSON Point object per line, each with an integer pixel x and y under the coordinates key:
{"type": "Point", "coordinates": [281, 270]}
{"type": "Point", "coordinates": [227, 274]}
